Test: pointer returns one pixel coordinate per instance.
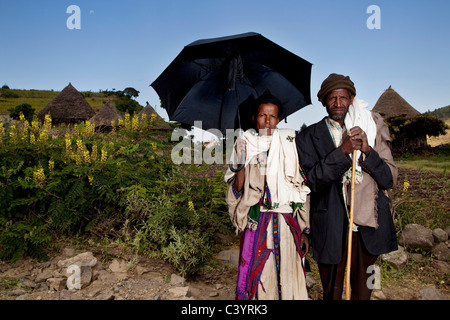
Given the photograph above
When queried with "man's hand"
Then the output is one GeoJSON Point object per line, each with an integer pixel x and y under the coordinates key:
{"type": "Point", "coordinates": [355, 140]}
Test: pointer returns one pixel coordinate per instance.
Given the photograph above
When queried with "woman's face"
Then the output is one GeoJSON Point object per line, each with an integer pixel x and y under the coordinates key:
{"type": "Point", "coordinates": [266, 119]}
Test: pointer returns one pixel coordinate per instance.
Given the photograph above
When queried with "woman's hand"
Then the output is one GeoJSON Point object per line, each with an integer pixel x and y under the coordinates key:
{"type": "Point", "coordinates": [240, 147]}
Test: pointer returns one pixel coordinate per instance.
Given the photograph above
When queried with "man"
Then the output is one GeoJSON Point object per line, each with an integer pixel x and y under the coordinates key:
{"type": "Point", "coordinates": [325, 150]}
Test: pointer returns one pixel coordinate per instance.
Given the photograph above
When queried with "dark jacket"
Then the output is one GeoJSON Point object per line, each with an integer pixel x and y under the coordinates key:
{"type": "Point", "coordinates": [324, 165]}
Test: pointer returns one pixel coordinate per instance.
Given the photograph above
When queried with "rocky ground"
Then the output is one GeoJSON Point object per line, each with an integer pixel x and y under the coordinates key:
{"type": "Point", "coordinates": [124, 277]}
{"type": "Point", "coordinates": [120, 278]}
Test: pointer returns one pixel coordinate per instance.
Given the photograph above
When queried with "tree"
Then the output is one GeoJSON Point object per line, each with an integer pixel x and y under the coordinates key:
{"type": "Point", "coordinates": [126, 104]}
{"type": "Point", "coordinates": [131, 92]}
{"type": "Point", "coordinates": [419, 126]}
{"type": "Point", "coordinates": [25, 108]}
{"type": "Point", "coordinates": [409, 133]}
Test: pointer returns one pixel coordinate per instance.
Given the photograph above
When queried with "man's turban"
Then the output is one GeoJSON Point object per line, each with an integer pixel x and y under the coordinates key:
{"type": "Point", "coordinates": [335, 81]}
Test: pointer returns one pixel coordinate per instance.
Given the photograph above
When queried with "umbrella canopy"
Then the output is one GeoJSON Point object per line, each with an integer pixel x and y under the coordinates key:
{"type": "Point", "coordinates": [216, 81]}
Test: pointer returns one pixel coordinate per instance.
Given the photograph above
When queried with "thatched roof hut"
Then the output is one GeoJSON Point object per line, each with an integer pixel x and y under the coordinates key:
{"type": "Point", "coordinates": [391, 104]}
{"type": "Point", "coordinates": [105, 115]}
{"type": "Point", "coordinates": [149, 110]}
{"type": "Point", "coordinates": [69, 106]}
{"type": "Point", "coordinates": [159, 123]}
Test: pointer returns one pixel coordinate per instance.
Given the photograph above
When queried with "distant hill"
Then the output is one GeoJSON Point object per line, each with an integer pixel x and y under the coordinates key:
{"type": "Point", "coordinates": [38, 99]}
{"type": "Point", "coordinates": [441, 113]}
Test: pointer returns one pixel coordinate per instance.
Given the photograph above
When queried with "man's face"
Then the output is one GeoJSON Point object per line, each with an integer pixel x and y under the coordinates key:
{"type": "Point", "coordinates": [337, 104]}
{"type": "Point", "coordinates": [267, 118]}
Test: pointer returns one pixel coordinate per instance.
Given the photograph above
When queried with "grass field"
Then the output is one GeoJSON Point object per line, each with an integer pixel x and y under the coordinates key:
{"type": "Point", "coordinates": [38, 99]}
{"type": "Point", "coordinates": [437, 163]}
{"type": "Point", "coordinates": [436, 159]}
{"type": "Point", "coordinates": [425, 164]}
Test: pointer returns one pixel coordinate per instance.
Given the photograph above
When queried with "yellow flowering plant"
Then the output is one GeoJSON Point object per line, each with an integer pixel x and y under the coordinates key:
{"type": "Point", "coordinates": [45, 132]}
{"type": "Point", "coordinates": [39, 177]}
{"type": "Point", "coordinates": [51, 165]}
{"type": "Point", "coordinates": [135, 123]}
{"type": "Point", "coordinates": [70, 182]}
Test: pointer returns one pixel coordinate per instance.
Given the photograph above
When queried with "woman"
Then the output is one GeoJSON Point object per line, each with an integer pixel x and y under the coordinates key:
{"type": "Point", "coordinates": [268, 205]}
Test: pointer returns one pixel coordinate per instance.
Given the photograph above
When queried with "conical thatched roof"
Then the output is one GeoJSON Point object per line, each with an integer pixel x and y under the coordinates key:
{"type": "Point", "coordinates": [148, 110]}
{"type": "Point", "coordinates": [159, 123]}
{"type": "Point", "coordinates": [391, 104]}
{"type": "Point", "coordinates": [69, 106]}
{"type": "Point", "coordinates": [105, 115]}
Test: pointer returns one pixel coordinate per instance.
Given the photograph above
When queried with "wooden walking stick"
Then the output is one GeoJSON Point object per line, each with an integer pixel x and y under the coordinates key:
{"type": "Point", "coordinates": [350, 229]}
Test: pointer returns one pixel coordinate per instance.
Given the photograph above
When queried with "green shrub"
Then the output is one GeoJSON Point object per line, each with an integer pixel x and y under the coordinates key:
{"type": "Point", "coordinates": [70, 181]}
{"type": "Point", "coordinates": [22, 238]}
{"type": "Point", "coordinates": [187, 250]}
{"type": "Point", "coordinates": [26, 109]}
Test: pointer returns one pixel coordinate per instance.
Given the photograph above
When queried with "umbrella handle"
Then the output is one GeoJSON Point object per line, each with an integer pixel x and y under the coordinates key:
{"type": "Point", "coordinates": [241, 165]}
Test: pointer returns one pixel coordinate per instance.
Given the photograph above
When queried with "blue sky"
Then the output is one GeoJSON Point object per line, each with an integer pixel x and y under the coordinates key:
{"type": "Point", "coordinates": [129, 43]}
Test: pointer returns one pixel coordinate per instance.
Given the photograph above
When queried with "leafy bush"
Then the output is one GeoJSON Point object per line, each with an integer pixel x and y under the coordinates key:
{"type": "Point", "coordinates": [19, 238]}
{"type": "Point", "coordinates": [126, 104]}
{"type": "Point", "coordinates": [187, 250]}
{"type": "Point", "coordinates": [409, 133]}
{"type": "Point", "coordinates": [26, 109]}
{"type": "Point", "coordinates": [71, 181]}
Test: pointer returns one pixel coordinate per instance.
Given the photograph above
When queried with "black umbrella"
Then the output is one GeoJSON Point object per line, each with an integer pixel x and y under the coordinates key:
{"type": "Point", "coordinates": [216, 80]}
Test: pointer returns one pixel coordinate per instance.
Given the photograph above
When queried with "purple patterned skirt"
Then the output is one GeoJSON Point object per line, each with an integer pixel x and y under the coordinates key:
{"type": "Point", "coordinates": [254, 252]}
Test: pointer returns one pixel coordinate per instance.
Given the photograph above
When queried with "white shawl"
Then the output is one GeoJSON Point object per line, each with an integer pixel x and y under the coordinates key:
{"type": "Point", "coordinates": [283, 177]}
{"type": "Point", "coordinates": [358, 115]}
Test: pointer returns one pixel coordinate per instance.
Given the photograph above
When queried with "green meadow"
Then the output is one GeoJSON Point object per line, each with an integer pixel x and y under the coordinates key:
{"type": "Point", "coordinates": [38, 99]}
